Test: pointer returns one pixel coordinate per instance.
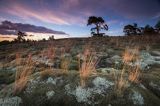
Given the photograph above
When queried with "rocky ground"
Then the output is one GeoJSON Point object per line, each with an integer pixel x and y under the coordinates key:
{"type": "Point", "coordinates": [55, 78]}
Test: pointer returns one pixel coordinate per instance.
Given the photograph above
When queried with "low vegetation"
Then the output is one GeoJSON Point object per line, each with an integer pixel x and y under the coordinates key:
{"type": "Point", "coordinates": [121, 70]}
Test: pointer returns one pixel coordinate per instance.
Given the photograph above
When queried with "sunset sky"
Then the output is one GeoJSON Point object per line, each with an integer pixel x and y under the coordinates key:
{"type": "Point", "coordinates": [70, 16]}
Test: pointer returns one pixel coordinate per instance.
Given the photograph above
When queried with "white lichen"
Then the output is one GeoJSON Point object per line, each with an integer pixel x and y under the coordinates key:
{"type": "Point", "coordinates": [32, 85]}
{"type": "Point", "coordinates": [12, 101]}
{"type": "Point", "coordinates": [154, 85]}
{"type": "Point", "coordinates": [87, 95]}
{"type": "Point", "coordinates": [107, 70]}
{"type": "Point", "coordinates": [50, 94]}
{"type": "Point", "coordinates": [51, 81]}
{"type": "Point", "coordinates": [43, 60]}
{"type": "Point", "coordinates": [83, 95]}
{"type": "Point", "coordinates": [102, 82]}
{"type": "Point", "coordinates": [137, 98]}
{"type": "Point", "coordinates": [145, 61]}
{"type": "Point", "coordinates": [68, 89]}
{"type": "Point", "coordinates": [142, 86]}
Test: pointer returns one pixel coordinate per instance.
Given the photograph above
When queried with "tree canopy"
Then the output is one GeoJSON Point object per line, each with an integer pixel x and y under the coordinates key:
{"type": "Point", "coordinates": [99, 25]}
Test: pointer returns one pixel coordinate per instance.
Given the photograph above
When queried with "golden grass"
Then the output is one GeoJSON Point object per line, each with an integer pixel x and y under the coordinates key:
{"type": "Point", "coordinates": [65, 62]}
{"type": "Point", "coordinates": [51, 52]}
{"type": "Point", "coordinates": [48, 52]}
{"type": "Point", "coordinates": [23, 73]}
{"type": "Point", "coordinates": [121, 82]}
{"type": "Point", "coordinates": [134, 75]}
{"type": "Point", "coordinates": [128, 73]}
{"type": "Point", "coordinates": [18, 59]}
{"type": "Point", "coordinates": [46, 73]}
{"type": "Point", "coordinates": [130, 55]}
{"type": "Point", "coordinates": [88, 66]}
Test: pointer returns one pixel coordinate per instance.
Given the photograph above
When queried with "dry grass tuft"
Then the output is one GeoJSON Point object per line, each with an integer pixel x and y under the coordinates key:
{"type": "Point", "coordinates": [134, 75]}
{"type": "Point", "coordinates": [51, 52]}
{"type": "Point", "coordinates": [121, 82]}
{"type": "Point", "coordinates": [65, 62]}
{"type": "Point", "coordinates": [88, 66]}
{"type": "Point", "coordinates": [18, 59]}
{"type": "Point", "coordinates": [130, 55]}
{"type": "Point", "coordinates": [123, 78]}
{"type": "Point", "coordinates": [23, 73]}
{"type": "Point", "coordinates": [46, 73]}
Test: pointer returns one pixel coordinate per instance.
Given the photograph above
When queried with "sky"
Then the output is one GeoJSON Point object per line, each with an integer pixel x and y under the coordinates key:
{"type": "Point", "coordinates": [70, 16]}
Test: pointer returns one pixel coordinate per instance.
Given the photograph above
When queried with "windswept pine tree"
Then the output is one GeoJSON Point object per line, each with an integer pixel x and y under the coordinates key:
{"type": "Point", "coordinates": [99, 23]}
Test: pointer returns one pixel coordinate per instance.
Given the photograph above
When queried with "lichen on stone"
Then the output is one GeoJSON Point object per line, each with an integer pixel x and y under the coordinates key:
{"type": "Point", "coordinates": [101, 82]}
{"type": "Point", "coordinates": [137, 98]}
{"type": "Point", "coordinates": [11, 101]}
{"type": "Point", "coordinates": [87, 94]}
{"type": "Point", "coordinates": [50, 94]}
{"type": "Point", "coordinates": [83, 94]}
{"type": "Point", "coordinates": [51, 81]}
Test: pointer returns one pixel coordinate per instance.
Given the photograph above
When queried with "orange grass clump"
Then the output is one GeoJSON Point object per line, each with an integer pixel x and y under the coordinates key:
{"type": "Point", "coordinates": [134, 75]}
{"type": "Point", "coordinates": [88, 66]}
{"type": "Point", "coordinates": [65, 62]}
{"type": "Point", "coordinates": [130, 55]}
{"type": "Point", "coordinates": [51, 52]}
{"type": "Point", "coordinates": [122, 79]}
{"type": "Point", "coordinates": [22, 74]}
{"type": "Point", "coordinates": [121, 82]}
{"type": "Point", "coordinates": [46, 73]}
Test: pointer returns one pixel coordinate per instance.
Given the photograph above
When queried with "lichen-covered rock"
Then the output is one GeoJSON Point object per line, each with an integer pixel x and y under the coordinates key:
{"type": "Point", "coordinates": [11, 101]}
{"type": "Point", "coordinates": [43, 60]}
{"type": "Point", "coordinates": [7, 91]}
{"type": "Point", "coordinates": [101, 54]}
{"type": "Point", "coordinates": [102, 83]}
{"type": "Point", "coordinates": [146, 60]}
{"type": "Point", "coordinates": [155, 88]}
{"type": "Point", "coordinates": [142, 86]}
{"type": "Point", "coordinates": [31, 86]}
{"type": "Point", "coordinates": [156, 53]}
{"type": "Point", "coordinates": [83, 95]}
{"type": "Point", "coordinates": [49, 94]}
{"type": "Point", "coordinates": [137, 98]}
{"type": "Point", "coordinates": [154, 85]}
{"type": "Point", "coordinates": [116, 58]}
{"type": "Point", "coordinates": [142, 65]}
{"type": "Point", "coordinates": [51, 81]}
{"type": "Point", "coordinates": [88, 94]}
{"type": "Point", "coordinates": [73, 65]}
{"type": "Point", "coordinates": [107, 70]}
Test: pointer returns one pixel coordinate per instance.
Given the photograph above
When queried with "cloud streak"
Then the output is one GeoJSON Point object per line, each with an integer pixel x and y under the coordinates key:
{"type": "Point", "coordinates": [68, 12]}
{"type": "Point", "coordinates": [9, 28]}
{"type": "Point", "coordinates": [26, 13]}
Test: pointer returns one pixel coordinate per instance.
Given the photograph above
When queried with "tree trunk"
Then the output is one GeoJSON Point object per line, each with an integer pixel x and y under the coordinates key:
{"type": "Point", "coordinates": [97, 27]}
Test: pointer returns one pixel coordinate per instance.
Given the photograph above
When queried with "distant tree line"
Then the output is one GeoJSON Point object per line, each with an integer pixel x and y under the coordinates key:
{"type": "Point", "coordinates": [147, 30]}
{"type": "Point", "coordinates": [21, 39]}
{"type": "Point", "coordinates": [130, 29]}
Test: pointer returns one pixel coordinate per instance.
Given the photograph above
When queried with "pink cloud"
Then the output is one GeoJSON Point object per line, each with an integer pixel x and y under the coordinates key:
{"type": "Point", "coordinates": [45, 15]}
{"type": "Point", "coordinates": [27, 13]}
